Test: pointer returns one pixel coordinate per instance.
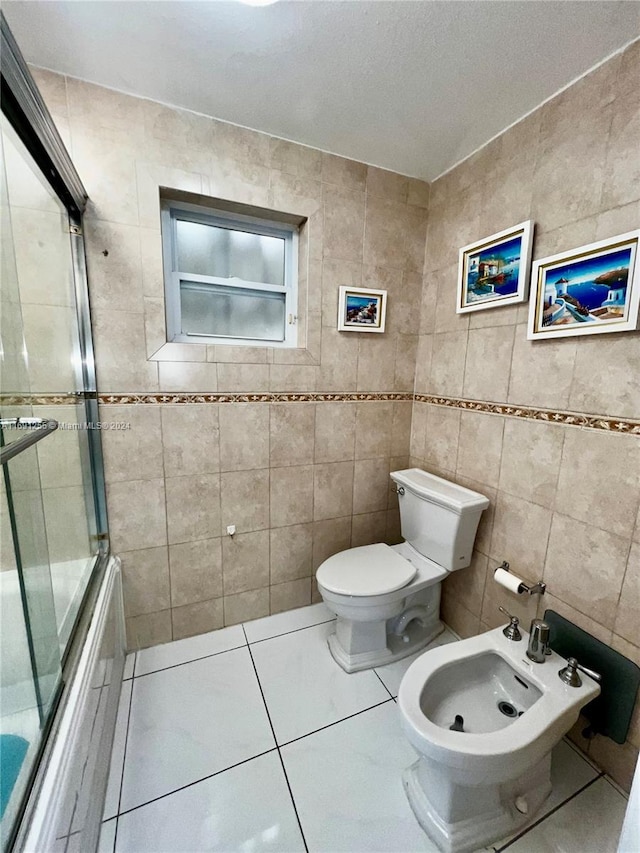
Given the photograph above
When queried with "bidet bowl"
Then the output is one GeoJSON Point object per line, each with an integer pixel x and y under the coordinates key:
{"type": "Point", "coordinates": [469, 679]}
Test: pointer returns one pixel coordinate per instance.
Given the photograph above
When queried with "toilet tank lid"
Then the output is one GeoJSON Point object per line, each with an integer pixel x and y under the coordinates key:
{"type": "Point", "coordinates": [440, 491]}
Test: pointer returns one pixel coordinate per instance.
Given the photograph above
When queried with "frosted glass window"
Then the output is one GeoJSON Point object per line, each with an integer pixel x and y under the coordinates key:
{"type": "Point", "coordinates": [232, 312]}
{"type": "Point", "coordinates": [225, 253]}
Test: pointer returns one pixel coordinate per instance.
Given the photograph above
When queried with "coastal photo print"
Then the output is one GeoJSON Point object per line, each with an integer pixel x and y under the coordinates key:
{"type": "Point", "coordinates": [495, 271]}
{"type": "Point", "coordinates": [587, 291]}
{"type": "Point", "coordinates": [361, 310]}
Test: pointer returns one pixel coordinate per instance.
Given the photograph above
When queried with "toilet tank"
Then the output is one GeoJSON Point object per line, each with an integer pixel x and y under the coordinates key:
{"type": "Point", "coordinates": [437, 517]}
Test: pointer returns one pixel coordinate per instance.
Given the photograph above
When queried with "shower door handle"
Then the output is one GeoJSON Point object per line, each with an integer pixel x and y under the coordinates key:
{"type": "Point", "coordinates": [37, 429]}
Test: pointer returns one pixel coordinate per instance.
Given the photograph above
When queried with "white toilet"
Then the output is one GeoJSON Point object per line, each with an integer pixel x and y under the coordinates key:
{"type": "Point", "coordinates": [483, 719]}
{"type": "Point", "coordinates": [387, 598]}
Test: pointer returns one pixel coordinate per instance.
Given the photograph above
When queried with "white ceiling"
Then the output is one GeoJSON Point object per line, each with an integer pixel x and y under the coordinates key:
{"type": "Point", "coordinates": [410, 85]}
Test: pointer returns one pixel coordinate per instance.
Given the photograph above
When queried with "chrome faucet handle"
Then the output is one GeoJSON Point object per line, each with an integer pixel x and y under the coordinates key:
{"type": "Point", "coordinates": [570, 675]}
{"type": "Point", "coordinates": [511, 632]}
{"type": "Point", "coordinates": [539, 634]}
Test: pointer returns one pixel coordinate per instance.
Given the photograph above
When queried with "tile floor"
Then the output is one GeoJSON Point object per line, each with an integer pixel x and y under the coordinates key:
{"type": "Point", "coordinates": [251, 738]}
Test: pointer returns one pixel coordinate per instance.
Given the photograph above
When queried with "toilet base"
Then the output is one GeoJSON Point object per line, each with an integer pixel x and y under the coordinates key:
{"type": "Point", "coordinates": [474, 816]}
{"type": "Point", "coordinates": [394, 647]}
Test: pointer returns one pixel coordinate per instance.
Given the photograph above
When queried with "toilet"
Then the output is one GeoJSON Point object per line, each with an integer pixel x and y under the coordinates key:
{"type": "Point", "coordinates": [483, 719]}
{"type": "Point", "coordinates": [387, 598]}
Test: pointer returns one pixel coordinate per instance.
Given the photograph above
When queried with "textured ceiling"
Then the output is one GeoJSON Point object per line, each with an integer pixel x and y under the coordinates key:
{"type": "Point", "coordinates": [408, 85]}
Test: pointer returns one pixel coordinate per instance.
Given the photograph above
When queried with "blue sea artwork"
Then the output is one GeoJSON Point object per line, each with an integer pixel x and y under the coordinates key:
{"type": "Point", "coordinates": [494, 271]}
{"type": "Point", "coordinates": [589, 290]}
{"type": "Point", "coordinates": [361, 310]}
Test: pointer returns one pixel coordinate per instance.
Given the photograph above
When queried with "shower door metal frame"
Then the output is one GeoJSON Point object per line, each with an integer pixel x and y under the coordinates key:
{"type": "Point", "coordinates": [26, 111]}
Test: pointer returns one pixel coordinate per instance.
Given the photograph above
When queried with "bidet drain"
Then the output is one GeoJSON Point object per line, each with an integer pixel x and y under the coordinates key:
{"type": "Point", "coordinates": [507, 709]}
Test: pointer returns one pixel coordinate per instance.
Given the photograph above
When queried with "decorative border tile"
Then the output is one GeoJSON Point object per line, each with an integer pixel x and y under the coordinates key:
{"type": "Point", "coordinates": [578, 419]}
{"type": "Point", "coordinates": [44, 399]}
{"type": "Point", "coordinates": [311, 397]}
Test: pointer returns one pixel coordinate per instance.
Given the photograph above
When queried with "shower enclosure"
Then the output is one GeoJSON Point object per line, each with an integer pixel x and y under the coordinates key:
{"type": "Point", "coordinates": [53, 532]}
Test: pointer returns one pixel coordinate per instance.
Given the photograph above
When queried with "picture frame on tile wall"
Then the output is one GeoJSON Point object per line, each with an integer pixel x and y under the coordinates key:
{"type": "Point", "coordinates": [590, 290]}
{"type": "Point", "coordinates": [361, 309]}
{"type": "Point", "coordinates": [495, 271]}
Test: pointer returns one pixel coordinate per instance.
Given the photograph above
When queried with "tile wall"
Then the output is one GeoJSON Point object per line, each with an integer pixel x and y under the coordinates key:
{"type": "Point", "coordinates": [299, 480]}
{"type": "Point", "coordinates": [564, 501]}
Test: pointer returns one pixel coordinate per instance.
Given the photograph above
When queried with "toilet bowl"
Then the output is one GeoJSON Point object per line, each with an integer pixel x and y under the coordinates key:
{"type": "Point", "coordinates": [387, 598]}
{"type": "Point", "coordinates": [483, 719]}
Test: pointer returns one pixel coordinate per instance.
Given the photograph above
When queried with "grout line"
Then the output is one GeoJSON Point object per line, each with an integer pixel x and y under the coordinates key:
{"type": "Point", "coordinates": [552, 812]}
{"type": "Point", "coordinates": [337, 722]}
{"type": "Point", "coordinates": [196, 782]}
{"type": "Point", "coordinates": [383, 684]}
{"type": "Point", "coordinates": [284, 633]}
{"type": "Point", "coordinates": [192, 660]}
{"type": "Point", "coordinates": [583, 755]}
{"type": "Point", "coordinates": [284, 769]}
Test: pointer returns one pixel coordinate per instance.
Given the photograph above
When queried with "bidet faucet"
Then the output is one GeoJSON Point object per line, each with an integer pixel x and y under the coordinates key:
{"type": "Point", "coordinates": [511, 632]}
{"type": "Point", "coordinates": [538, 648]}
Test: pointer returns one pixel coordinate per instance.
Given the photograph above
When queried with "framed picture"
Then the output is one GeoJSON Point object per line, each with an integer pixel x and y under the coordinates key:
{"type": "Point", "coordinates": [587, 291]}
{"type": "Point", "coordinates": [361, 310]}
{"type": "Point", "coordinates": [495, 271]}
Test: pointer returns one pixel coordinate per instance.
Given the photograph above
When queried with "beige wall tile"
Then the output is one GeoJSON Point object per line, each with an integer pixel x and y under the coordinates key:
{"type": "Point", "coordinates": [135, 453]}
{"type": "Point", "coordinates": [368, 528]}
{"type": "Point", "coordinates": [418, 430]}
{"type": "Point", "coordinates": [245, 562]}
{"type": "Point", "coordinates": [335, 431]}
{"type": "Point", "coordinates": [618, 760]}
{"type": "Point", "coordinates": [188, 620]}
{"type": "Point", "coordinates": [585, 567]}
{"type": "Point", "coordinates": [193, 507]}
{"type": "Point", "coordinates": [486, 374]}
{"type": "Point", "coordinates": [466, 586]}
{"type": "Point", "coordinates": [541, 371]}
{"type": "Point", "coordinates": [622, 168]}
{"type": "Point", "coordinates": [520, 534]}
{"type": "Point", "coordinates": [343, 172]}
{"type": "Point", "coordinates": [401, 429]}
{"type": "Point", "coordinates": [291, 495]}
{"type": "Point", "coordinates": [374, 423]}
{"type": "Point", "coordinates": [386, 184]}
{"type": "Point", "coordinates": [457, 617]}
{"type": "Point", "coordinates": [187, 376]}
{"type": "Point", "coordinates": [292, 378]}
{"type": "Point", "coordinates": [329, 537]}
{"type": "Point", "coordinates": [370, 485]}
{"type": "Point", "coordinates": [525, 607]}
{"type": "Point", "coordinates": [332, 490]}
{"type": "Point", "coordinates": [145, 577]}
{"type": "Point", "coordinates": [480, 447]}
{"type": "Point", "coordinates": [445, 283]}
{"type": "Point", "coordinates": [196, 571]}
{"type": "Point", "coordinates": [531, 454]}
{"type": "Point", "coordinates": [287, 596]}
{"type": "Point", "coordinates": [240, 378]}
{"type": "Point", "coordinates": [338, 361]}
{"type": "Point", "coordinates": [246, 605]}
{"type": "Point", "coordinates": [598, 459]}
{"type": "Point", "coordinates": [290, 552]}
{"type": "Point", "coordinates": [190, 439]}
{"type": "Point", "coordinates": [448, 363]}
{"type": "Point", "coordinates": [292, 429]}
{"type": "Point", "coordinates": [441, 437]}
{"type": "Point", "coordinates": [343, 223]}
{"type": "Point", "coordinates": [602, 381]}
{"type": "Point", "coordinates": [244, 436]}
{"type": "Point", "coordinates": [376, 363]}
{"type": "Point", "coordinates": [137, 514]}
{"type": "Point", "coordinates": [423, 364]}
{"type": "Point", "coordinates": [149, 629]}
{"type": "Point", "coordinates": [115, 278]}
{"type": "Point", "coordinates": [121, 359]}
{"type": "Point", "coordinates": [244, 500]}
{"type": "Point", "coordinates": [627, 623]}
{"type": "Point", "coordinates": [418, 194]}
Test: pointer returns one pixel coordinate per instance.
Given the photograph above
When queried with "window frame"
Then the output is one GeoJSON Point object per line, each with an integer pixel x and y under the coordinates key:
{"type": "Point", "coordinates": [170, 213]}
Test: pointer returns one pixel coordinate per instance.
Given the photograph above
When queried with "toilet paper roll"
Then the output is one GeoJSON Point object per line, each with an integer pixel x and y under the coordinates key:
{"type": "Point", "coordinates": [508, 580]}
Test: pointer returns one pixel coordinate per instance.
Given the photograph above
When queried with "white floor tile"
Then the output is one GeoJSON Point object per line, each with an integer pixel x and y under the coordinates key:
{"type": "Point", "coordinates": [304, 687]}
{"type": "Point", "coordinates": [392, 673]}
{"type": "Point", "coordinates": [590, 823]}
{"type": "Point", "coordinates": [291, 620]}
{"type": "Point", "coordinates": [347, 784]}
{"type": "Point", "coordinates": [247, 808]}
{"type": "Point", "coordinates": [129, 664]}
{"type": "Point", "coordinates": [107, 837]}
{"type": "Point", "coordinates": [569, 773]}
{"type": "Point", "coordinates": [112, 797]}
{"type": "Point", "coordinates": [193, 648]}
{"type": "Point", "coordinates": [190, 721]}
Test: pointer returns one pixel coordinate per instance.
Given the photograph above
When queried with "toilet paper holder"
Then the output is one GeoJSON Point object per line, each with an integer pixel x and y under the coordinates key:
{"type": "Point", "coordinates": [537, 589]}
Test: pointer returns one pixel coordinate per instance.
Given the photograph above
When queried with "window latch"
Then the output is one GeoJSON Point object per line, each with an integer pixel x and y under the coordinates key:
{"type": "Point", "coordinates": [293, 319]}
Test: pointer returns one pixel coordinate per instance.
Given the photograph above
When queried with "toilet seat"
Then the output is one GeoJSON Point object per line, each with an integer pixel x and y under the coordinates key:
{"type": "Point", "coordinates": [366, 571]}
